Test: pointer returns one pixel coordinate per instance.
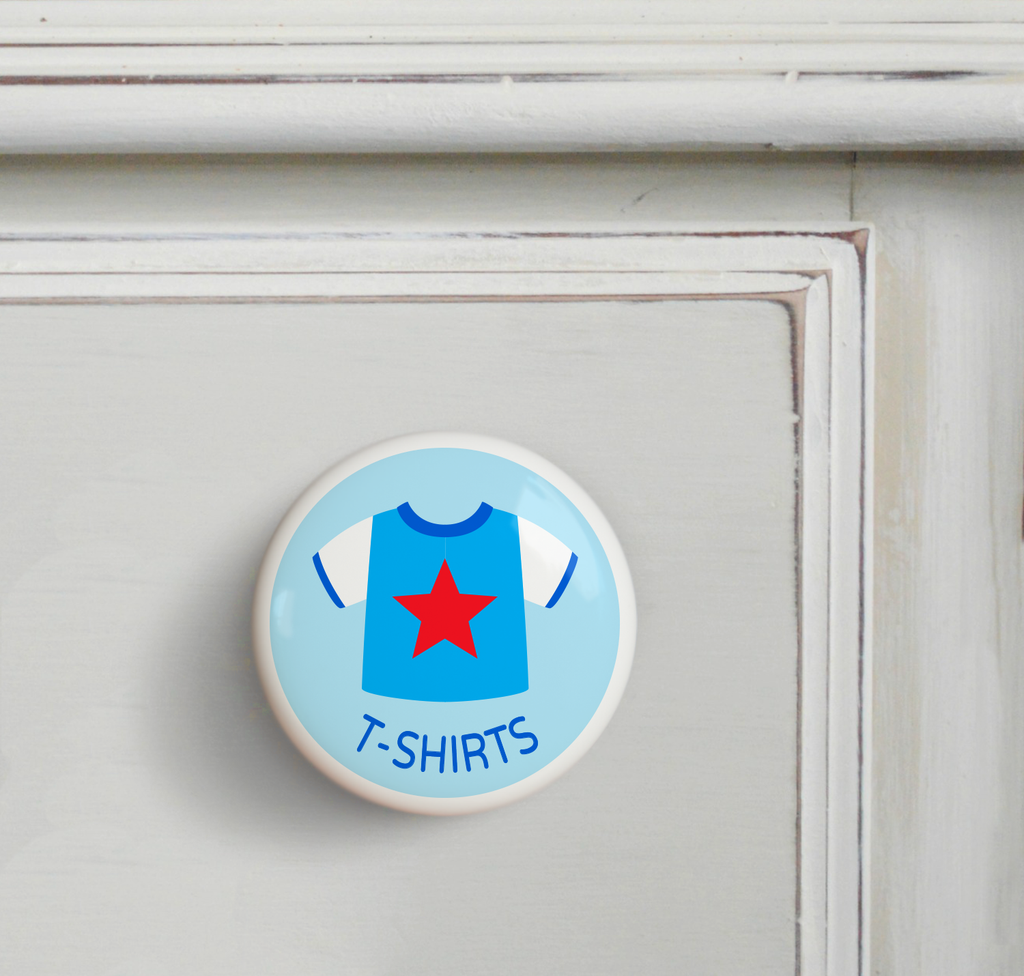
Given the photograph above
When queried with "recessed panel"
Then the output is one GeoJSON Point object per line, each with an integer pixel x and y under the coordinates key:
{"type": "Point", "coordinates": [150, 451]}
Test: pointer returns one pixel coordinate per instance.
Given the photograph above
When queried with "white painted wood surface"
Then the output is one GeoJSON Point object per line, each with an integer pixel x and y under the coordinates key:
{"type": "Point", "coordinates": [560, 283]}
{"type": "Point", "coordinates": [316, 76]}
{"type": "Point", "coordinates": [948, 867]}
{"type": "Point", "coordinates": [949, 686]}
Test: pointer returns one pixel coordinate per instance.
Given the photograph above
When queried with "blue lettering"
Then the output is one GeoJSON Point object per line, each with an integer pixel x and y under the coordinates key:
{"type": "Point", "coordinates": [369, 728]}
{"type": "Point", "coordinates": [473, 745]}
{"type": "Point", "coordinates": [406, 750]}
{"type": "Point", "coordinates": [522, 735]}
{"type": "Point", "coordinates": [467, 752]}
{"type": "Point", "coordinates": [426, 752]}
{"type": "Point", "coordinates": [497, 738]}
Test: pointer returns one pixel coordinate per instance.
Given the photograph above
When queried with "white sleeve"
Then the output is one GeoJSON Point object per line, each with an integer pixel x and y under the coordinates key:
{"type": "Point", "coordinates": [547, 564]}
{"type": "Point", "coordinates": [343, 565]}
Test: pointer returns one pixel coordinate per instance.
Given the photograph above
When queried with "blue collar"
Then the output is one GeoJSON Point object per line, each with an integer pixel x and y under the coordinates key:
{"type": "Point", "coordinates": [436, 528]}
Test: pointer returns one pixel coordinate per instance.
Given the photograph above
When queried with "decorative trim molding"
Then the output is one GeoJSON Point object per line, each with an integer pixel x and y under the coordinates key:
{"type": "Point", "coordinates": [822, 275]}
{"type": "Point", "coordinates": [322, 76]}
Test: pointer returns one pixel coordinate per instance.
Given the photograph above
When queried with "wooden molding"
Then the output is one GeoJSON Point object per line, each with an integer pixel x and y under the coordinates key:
{"type": "Point", "coordinates": [315, 76]}
{"type": "Point", "coordinates": [821, 275]}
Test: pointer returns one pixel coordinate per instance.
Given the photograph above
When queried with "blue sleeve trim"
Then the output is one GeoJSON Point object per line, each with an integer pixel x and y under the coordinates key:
{"type": "Point", "coordinates": [566, 576]}
{"type": "Point", "coordinates": [321, 572]}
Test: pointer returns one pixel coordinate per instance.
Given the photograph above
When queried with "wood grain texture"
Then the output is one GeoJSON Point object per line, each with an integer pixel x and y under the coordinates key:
{"type": "Point", "coordinates": [949, 681]}
{"type": "Point", "coordinates": [255, 194]}
{"type": "Point", "coordinates": [129, 347]}
{"type": "Point", "coordinates": [152, 804]}
{"type": "Point", "coordinates": [309, 76]}
{"type": "Point", "coordinates": [949, 774]}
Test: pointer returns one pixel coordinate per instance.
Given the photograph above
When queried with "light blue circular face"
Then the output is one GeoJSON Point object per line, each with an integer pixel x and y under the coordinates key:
{"type": "Point", "coordinates": [443, 623]}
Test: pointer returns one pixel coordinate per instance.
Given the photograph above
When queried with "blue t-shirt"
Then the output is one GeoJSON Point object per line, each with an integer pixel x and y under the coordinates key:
{"type": "Point", "coordinates": [445, 616]}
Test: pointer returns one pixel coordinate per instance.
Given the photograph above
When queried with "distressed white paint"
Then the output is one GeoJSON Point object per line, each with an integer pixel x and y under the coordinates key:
{"type": "Point", "coordinates": [306, 76]}
{"type": "Point", "coordinates": [541, 273]}
{"type": "Point", "coordinates": [947, 890]}
{"type": "Point", "coordinates": [949, 673]}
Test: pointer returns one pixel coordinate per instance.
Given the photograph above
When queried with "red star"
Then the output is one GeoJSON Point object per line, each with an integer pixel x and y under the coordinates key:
{"type": "Point", "coordinates": [444, 613]}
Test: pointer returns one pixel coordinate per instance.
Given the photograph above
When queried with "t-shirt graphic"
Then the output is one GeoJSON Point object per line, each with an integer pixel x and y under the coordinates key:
{"type": "Point", "coordinates": [445, 618]}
